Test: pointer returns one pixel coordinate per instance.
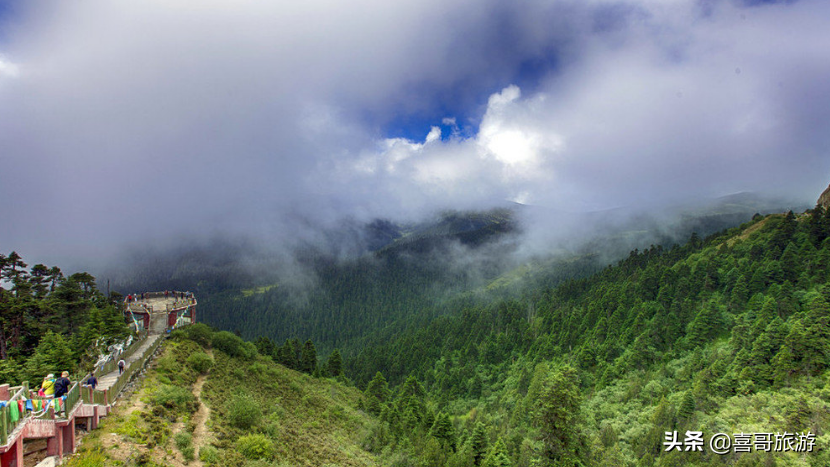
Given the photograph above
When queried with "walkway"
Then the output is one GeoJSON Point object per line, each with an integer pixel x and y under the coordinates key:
{"type": "Point", "coordinates": [108, 380]}
{"type": "Point", "coordinates": [159, 314]}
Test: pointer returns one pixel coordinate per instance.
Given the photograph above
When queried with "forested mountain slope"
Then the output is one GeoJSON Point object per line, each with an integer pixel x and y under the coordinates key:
{"type": "Point", "coordinates": [728, 334]}
{"type": "Point", "coordinates": [437, 268]}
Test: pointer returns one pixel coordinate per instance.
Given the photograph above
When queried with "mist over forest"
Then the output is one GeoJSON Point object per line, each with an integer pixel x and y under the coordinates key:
{"type": "Point", "coordinates": [466, 233]}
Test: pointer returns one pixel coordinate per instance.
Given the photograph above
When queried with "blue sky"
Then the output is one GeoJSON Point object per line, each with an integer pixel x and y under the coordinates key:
{"type": "Point", "coordinates": [240, 115]}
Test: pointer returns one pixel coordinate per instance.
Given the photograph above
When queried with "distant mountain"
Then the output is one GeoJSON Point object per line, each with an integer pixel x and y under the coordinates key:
{"type": "Point", "coordinates": [471, 228]}
{"type": "Point", "coordinates": [390, 274]}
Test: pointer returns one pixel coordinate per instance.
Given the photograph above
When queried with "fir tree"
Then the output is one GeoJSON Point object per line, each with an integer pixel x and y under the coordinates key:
{"type": "Point", "coordinates": [377, 394]}
{"type": "Point", "coordinates": [558, 419]}
{"type": "Point", "coordinates": [478, 443]}
{"type": "Point", "coordinates": [443, 430]}
{"type": "Point", "coordinates": [687, 407]}
{"type": "Point", "coordinates": [308, 363]}
{"type": "Point", "coordinates": [334, 365]}
{"type": "Point", "coordinates": [498, 456]}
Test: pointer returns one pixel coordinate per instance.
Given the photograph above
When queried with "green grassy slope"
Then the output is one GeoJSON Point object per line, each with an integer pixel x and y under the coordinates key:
{"type": "Point", "coordinates": [260, 413]}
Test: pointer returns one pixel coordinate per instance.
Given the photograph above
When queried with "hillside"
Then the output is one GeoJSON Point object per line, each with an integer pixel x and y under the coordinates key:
{"type": "Point", "coordinates": [211, 399]}
{"type": "Point", "coordinates": [725, 334]}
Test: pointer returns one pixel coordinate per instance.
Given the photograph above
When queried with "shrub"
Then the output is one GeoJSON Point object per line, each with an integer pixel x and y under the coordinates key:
{"type": "Point", "coordinates": [233, 345]}
{"type": "Point", "coordinates": [243, 412]}
{"type": "Point", "coordinates": [188, 453]}
{"type": "Point", "coordinates": [199, 333]}
{"type": "Point", "coordinates": [208, 454]}
{"type": "Point", "coordinates": [200, 361]}
{"type": "Point", "coordinates": [175, 398]}
{"type": "Point", "coordinates": [256, 446]}
{"type": "Point", "coordinates": [183, 440]}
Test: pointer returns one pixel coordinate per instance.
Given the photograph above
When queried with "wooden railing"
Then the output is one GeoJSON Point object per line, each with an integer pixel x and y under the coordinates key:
{"type": "Point", "coordinates": [107, 396]}
{"type": "Point", "coordinates": [128, 374]}
{"type": "Point", "coordinates": [7, 426]}
{"type": "Point", "coordinates": [111, 365]}
{"type": "Point", "coordinates": [181, 303]}
{"type": "Point", "coordinates": [73, 398]}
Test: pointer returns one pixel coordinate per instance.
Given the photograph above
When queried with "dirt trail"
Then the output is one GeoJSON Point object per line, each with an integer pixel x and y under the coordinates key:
{"type": "Point", "coordinates": [201, 435]}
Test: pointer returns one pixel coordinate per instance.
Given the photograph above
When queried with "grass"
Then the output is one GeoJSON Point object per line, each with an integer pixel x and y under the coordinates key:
{"type": "Point", "coordinates": [260, 412]}
{"type": "Point", "coordinates": [258, 290]}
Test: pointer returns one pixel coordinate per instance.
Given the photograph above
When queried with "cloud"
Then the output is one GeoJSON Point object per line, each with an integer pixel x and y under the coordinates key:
{"type": "Point", "coordinates": [8, 69]}
{"type": "Point", "coordinates": [140, 122]}
{"type": "Point", "coordinates": [663, 111]}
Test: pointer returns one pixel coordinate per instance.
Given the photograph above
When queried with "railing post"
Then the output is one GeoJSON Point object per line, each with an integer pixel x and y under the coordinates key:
{"type": "Point", "coordinates": [4, 425]}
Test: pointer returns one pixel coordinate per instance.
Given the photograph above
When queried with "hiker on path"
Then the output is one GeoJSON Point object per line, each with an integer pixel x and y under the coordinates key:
{"type": "Point", "coordinates": [121, 365]}
{"type": "Point", "coordinates": [62, 384]}
{"type": "Point", "coordinates": [47, 388]}
{"type": "Point", "coordinates": [92, 380]}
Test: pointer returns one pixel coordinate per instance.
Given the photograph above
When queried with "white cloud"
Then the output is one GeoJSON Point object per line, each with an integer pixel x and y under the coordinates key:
{"type": "Point", "coordinates": [8, 68]}
{"type": "Point", "coordinates": [236, 114]}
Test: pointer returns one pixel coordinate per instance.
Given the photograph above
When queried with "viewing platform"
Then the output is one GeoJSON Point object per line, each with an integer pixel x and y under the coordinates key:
{"type": "Point", "coordinates": [25, 416]}
{"type": "Point", "coordinates": [159, 312]}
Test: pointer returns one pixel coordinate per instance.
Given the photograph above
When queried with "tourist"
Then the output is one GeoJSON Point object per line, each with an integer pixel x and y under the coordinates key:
{"type": "Point", "coordinates": [121, 365]}
{"type": "Point", "coordinates": [47, 388]}
{"type": "Point", "coordinates": [62, 384]}
{"type": "Point", "coordinates": [92, 380]}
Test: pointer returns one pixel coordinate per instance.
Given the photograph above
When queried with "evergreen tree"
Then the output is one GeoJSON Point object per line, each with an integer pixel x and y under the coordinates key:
{"type": "Point", "coordinates": [478, 443]}
{"type": "Point", "coordinates": [334, 365]}
{"type": "Point", "coordinates": [309, 358]}
{"type": "Point", "coordinates": [287, 356]}
{"type": "Point", "coordinates": [377, 393]}
{"type": "Point", "coordinates": [443, 430]}
{"type": "Point", "coordinates": [740, 293]}
{"type": "Point", "coordinates": [706, 324]}
{"type": "Point", "coordinates": [498, 456]}
{"type": "Point", "coordinates": [558, 418]}
{"type": "Point", "coordinates": [818, 225]}
{"type": "Point", "coordinates": [265, 345]}
{"type": "Point", "coordinates": [53, 355]}
{"type": "Point", "coordinates": [687, 407]}
{"type": "Point", "coordinates": [411, 403]}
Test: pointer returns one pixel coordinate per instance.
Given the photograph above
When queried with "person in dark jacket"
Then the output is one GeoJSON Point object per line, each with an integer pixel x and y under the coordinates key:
{"type": "Point", "coordinates": [92, 380]}
{"type": "Point", "coordinates": [62, 384]}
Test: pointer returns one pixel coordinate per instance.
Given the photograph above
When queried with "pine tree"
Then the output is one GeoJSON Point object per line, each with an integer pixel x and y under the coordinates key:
{"type": "Point", "coordinates": [411, 403]}
{"type": "Point", "coordinates": [334, 365]}
{"type": "Point", "coordinates": [498, 456]}
{"type": "Point", "coordinates": [309, 358]}
{"type": "Point", "coordinates": [790, 264]}
{"type": "Point", "coordinates": [443, 430]}
{"type": "Point", "coordinates": [377, 394]}
{"type": "Point", "coordinates": [558, 419]}
{"type": "Point", "coordinates": [264, 345]}
{"type": "Point", "coordinates": [705, 326]}
{"type": "Point", "coordinates": [478, 443]}
{"type": "Point", "coordinates": [817, 225]}
{"type": "Point", "coordinates": [687, 407]}
{"type": "Point", "coordinates": [740, 293]}
{"type": "Point", "coordinates": [52, 355]}
{"type": "Point", "coordinates": [287, 356]}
